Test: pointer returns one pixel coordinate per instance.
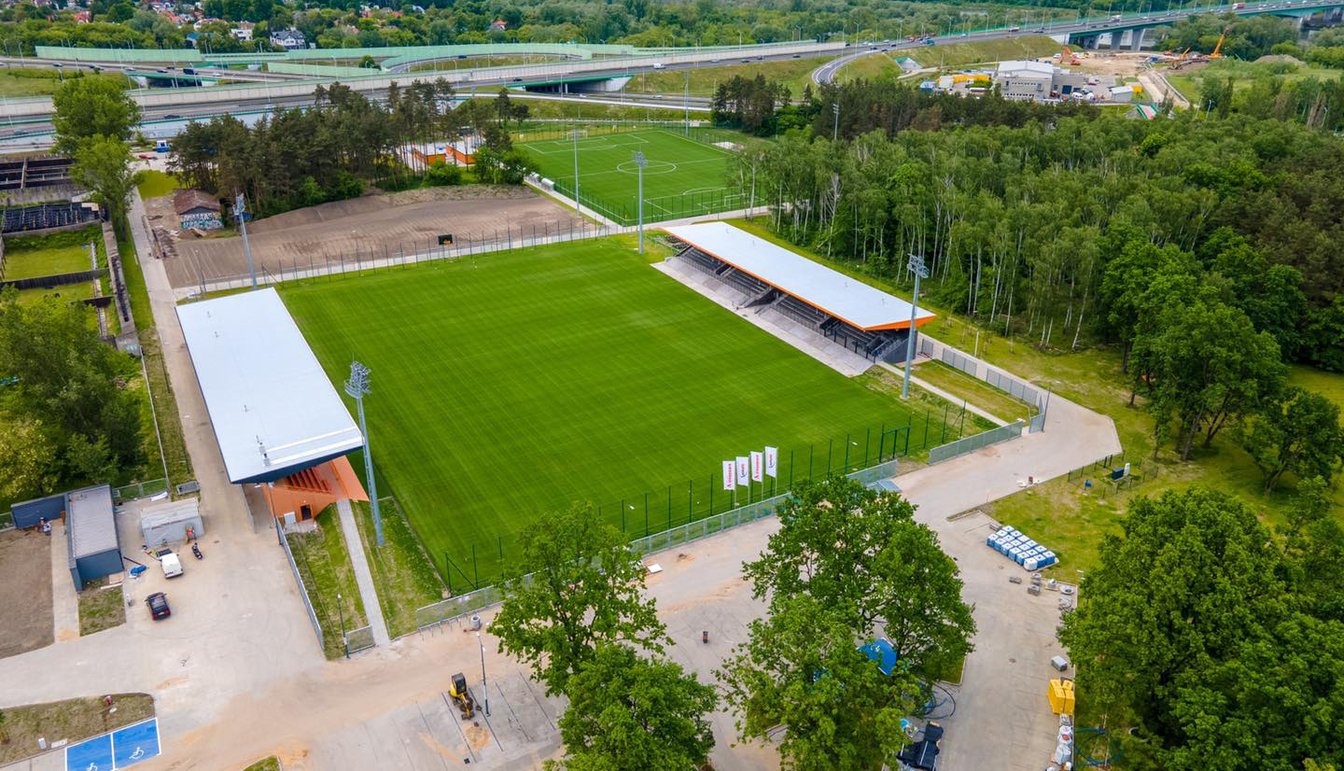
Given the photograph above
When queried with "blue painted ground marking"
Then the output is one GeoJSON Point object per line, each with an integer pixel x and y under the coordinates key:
{"type": "Point", "coordinates": [92, 755]}
{"type": "Point", "coordinates": [135, 743]}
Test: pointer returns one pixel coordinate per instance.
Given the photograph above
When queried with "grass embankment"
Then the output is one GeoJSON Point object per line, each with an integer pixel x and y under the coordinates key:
{"type": "Point", "coordinates": [794, 73]}
{"type": "Point", "coordinates": [478, 62]}
{"type": "Point", "coordinates": [72, 720]}
{"type": "Point", "coordinates": [875, 66]}
{"type": "Point", "coordinates": [153, 183]}
{"type": "Point", "coordinates": [402, 571]}
{"type": "Point", "coordinates": [20, 81]}
{"type": "Point", "coordinates": [265, 764]}
{"type": "Point", "coordinates": [962, 54]}
{"type": "Point", "coordinates": [576, 110]}
{"type": "Point", "coordinates": [1061, 513]}
{"type": "Point", "coordinates": [160, 388]}
{"type": "Point", "coordinates": [52, 261]}
{"type": "Point", "coordinates": [576, 373]}
{"type": "Point", "coordinates": [100, 607]}
{"type": "Point", "coordinates": [324, 564]}
{"type": "Point", "coordinates": [1243, 74]}
{"type": "Point", "coordinates": [1000, 404]}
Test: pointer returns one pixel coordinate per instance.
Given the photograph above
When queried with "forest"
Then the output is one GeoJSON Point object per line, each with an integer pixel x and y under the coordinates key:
{"type": "Point", "coordinates": [301, 157]}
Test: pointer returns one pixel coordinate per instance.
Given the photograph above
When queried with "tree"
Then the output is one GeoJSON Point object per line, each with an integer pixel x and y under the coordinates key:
{"type": "Point", "coordinates": [1198, 625]}
{"type": "Point", "coordinates": [1205, 366]}
{"type": "Point", "coordinates": [862, 553]}
{"type": "Point", "coordinates": [28, 467]}
{"type": "Point", "coordinates": [91, 107]}
{"type": "Point", "coordinates": [103, 166]}
{"type": "Point", "coordinates": [1298, 433]}
{"type": "Point", "coordinates": [585, 589]}
{"type": "Point", "coordinates": [801, 670]}
{"type": "Point", "coordinates": [629, 713]}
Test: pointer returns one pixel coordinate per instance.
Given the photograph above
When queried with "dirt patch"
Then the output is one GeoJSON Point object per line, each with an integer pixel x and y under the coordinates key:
{"type": "Point", "coordinates": [25, 592]}
{"type": "Point", "coordinates": [373, 226]}
{"type": "Point", "coordinates": [100, 607]}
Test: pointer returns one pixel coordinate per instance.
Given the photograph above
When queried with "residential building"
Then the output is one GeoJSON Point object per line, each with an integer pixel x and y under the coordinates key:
{"type": "Point", "coordinates": [197, 209]}
{"type": "Point", "coordinates": [289, 39]}
{"type": "Point", "coordinates": [1025, 80]}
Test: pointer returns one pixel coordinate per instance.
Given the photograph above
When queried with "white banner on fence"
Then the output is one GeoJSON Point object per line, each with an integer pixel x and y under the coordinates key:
{"type": "Point", "coordinates": [729, 475]}
{"type": "Point", "coordinates": [743, 471]}
{"type": "Point", "coordinates": [772, 462]}
{"type": "Point", "coordinates": [757, 467]}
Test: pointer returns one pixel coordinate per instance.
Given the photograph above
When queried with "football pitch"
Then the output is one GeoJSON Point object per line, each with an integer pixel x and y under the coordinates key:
{"type": "Point", "coordinates": [682, 177]}
{"type": "Point", "coordinates": [525, 381]}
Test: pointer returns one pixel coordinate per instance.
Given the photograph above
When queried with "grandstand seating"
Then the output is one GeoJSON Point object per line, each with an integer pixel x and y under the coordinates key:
{"type": "Point", "coordinates": [801, 312]}
{"type": "Point", "coordinates": [48, 215]}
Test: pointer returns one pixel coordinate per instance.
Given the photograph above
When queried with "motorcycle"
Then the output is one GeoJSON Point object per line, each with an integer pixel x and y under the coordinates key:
{"type": "Point", "coordinates": [196, 549]}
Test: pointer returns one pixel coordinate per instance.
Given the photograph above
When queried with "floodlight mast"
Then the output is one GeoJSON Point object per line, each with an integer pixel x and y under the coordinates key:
{"type": "Point", "coordinates": [239, 209]}
{"type": "Point", "coordinates": [358, 387]}
{"type": "Point", "coordinates": [640, 162]}
{"type": "Point", "coordinates": [916, 266]}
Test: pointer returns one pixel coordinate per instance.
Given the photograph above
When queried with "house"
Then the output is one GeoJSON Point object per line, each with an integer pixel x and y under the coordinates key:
{"type": "Point", "coordinates": [83, 17]}
{"type": "Point", "coordinates": [289, 39]}
{"type": "Point", "coordinates": [197, 209]}
{"type": "Point", "coordinates": [498, 25]}
{"type": "Point", "coordinates": [242, 32]}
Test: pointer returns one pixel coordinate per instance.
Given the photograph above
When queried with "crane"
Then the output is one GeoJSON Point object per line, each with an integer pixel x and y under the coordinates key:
{"type": "Point", "coordinates": [1219, 47]}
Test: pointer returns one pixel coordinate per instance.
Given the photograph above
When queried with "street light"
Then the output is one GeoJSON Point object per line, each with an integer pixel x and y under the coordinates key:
{"type": "Point", "coordinates": [916, 266]}
{"type": "Point", "coordinates": [640, 163]}
{"type": "Point", "coordinates": [240, 209]}
{"type": "Point", "coordinates": [576, 171]}
{"type": "Point", "coordinates": [358, 387]}
{"type": "Point", "coordinates": [485, 688]}
{"type": "Point", "coordinates": [835, 108]}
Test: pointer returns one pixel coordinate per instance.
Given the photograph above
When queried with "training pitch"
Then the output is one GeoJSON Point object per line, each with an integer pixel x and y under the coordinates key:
{"type": "Point", "coordinates": [513, 383]}
{"type": "Point", "coordinates": [682, 177]}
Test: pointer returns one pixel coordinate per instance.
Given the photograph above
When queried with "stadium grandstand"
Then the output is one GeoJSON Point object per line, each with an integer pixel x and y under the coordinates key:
{"type": "Point", "coordinates": [844, 311]}
{"type": "Point", "coordinates": [278, 420]}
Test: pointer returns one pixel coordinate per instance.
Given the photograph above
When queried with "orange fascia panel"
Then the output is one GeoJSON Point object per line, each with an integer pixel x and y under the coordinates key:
{"type": "Point", "coordinates": [896, 325]}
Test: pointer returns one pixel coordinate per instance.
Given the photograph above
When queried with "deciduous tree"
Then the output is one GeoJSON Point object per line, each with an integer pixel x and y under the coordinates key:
{"type": "Point", "coordinates": [91, 107]}
{"type": "Point", "coordinates": [1297, 433]}
{"type": "Point", "coordinates": [577, 586]}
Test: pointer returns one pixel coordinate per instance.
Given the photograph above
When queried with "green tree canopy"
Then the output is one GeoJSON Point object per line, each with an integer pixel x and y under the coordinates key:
{"type": "Point", "coordinates": [801, 670]}
{"type": "Point", "coordinates": [862, 553]}
{"type": "Point", "coordinates": [102, 166]}
{"type": "Point", "coordinates": [585, 589]}
{"type": "Point", "coordinates": [1297, 433]}
{"type": "Point", "coordinates": [90, 107]}
{"type": "Point", "coordinates": [628, 713]}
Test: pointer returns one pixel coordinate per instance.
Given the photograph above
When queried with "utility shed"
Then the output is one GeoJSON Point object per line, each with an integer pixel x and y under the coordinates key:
{"type": "Point", "coordinates": [168, 522]}
{"type": "Point", "coordinates": [95, 551]}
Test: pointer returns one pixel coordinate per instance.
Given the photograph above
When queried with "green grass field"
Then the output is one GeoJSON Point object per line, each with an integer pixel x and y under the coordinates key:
{"type": "Point", "coordinates": [794, 73]}
{"type": "Point", "coordinates": [153, 183]}
{"type": "Point", "coordinates": [962, 54]}
{"type": "Point", "coordinates": [32, 263]}
{"type": "Point", "coordinates": [521, 382]}
{"type": "Point", "coordinates": [683, 177]}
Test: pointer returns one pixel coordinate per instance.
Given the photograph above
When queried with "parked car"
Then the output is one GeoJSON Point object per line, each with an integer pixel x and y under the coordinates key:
{"type": "Point", "coordinates": [158, 606]}
{"type": "Point", "coordinates": [172, 566]}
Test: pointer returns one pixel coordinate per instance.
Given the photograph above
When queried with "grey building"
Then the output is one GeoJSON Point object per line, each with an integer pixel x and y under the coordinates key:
{"type": "Point", "coordinates": [168, 522]}
{"type": "Point", "coordinates": [1025, 80]}
{"type": "Point", "coordinates": [91, 530]}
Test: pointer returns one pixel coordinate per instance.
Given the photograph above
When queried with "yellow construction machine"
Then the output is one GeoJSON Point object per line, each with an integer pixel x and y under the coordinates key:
{"type": "Point", "coordinates": [457, 691]}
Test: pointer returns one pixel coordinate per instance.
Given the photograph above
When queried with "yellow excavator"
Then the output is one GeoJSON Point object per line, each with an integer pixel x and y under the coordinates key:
{"type": "Point", "coordinates": [457, 691]}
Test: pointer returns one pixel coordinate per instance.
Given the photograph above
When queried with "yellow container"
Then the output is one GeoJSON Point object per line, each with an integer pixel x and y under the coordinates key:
{"type": "Point", "coordinates": [1061, 696]}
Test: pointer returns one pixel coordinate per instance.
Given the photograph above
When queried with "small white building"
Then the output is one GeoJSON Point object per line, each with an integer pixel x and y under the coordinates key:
{"type": "Point", "coordinates": [289, 39]}
{"type": "Point", "coordinates": [242, 32]}
{"type": "Point", "coordinates": [1123, 94]}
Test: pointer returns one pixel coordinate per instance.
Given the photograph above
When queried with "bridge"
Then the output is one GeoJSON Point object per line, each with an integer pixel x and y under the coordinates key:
{"type": "Point", "coordinates": [1129, 31]}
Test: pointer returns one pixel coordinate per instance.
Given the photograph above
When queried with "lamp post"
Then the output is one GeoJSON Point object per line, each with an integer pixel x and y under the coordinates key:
{"type": "Point", "coordinates": [344, 640]}
{"type": "Point", "coordinates": [640, 163]}
{"type": "Point", "coordinates": [576, 170]}
{"type": "Point", "coordinates": [240, 209]}
{"type": "Point", "coordinates": [916, 266]}
{"type": "Point", "coordinates": [485, 689]}
{"type": "Point", "coordinates": [358, 387]}
{"type": "Point", "coordinates": [835, 108]}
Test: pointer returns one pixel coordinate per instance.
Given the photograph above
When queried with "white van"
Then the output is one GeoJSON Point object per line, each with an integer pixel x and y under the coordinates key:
{"type": "Point", "coordinates": [657, 65]}
{"type": "Point", "coordinates": [172, 566]}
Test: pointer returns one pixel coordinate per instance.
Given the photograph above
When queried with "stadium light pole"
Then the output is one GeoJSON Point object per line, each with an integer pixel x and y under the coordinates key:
{"type": "Point", "coordinates": [576, 171]}
{"type": "Point", "coordinates": [640, 163]}
{"type": "Point", "coordinates": [239, 209]}
{"type": "Point", "coordinates": [358, 387]}
{"type": "Point", "coordinates": [916, 266]}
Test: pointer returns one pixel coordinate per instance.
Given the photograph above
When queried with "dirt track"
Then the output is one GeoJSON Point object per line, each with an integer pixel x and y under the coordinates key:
{"type": "Point", "coordinates": [371, 225]}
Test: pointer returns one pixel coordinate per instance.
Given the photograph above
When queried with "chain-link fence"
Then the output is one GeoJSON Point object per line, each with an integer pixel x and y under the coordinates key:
{"type": "Point", "coordinates": [140, 490]}
{"type": "Point", "coordinates": [976, 441]}
{"type": "Point", "coordinates": [359, 639]}
{"type": "Point", "coordinates": [456, 607]}
{"type": "Point", "coordinates": [298, 579]}
{"type": "Point", "coordinates": [644, 513]}
{"type": "Point", "coordinates": [981, 370]}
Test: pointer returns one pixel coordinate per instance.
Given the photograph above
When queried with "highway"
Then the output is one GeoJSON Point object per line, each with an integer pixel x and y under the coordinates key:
{"type": "Point", "coordinates": [246, 76]}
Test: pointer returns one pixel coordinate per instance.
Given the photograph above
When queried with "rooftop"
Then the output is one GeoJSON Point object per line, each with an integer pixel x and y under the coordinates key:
{"type": "Point", "coordinates": [1019, 67]}
{"type": "Point", "coordinates": [848, 299]}
{"type": "Point", "coordinates": [186, 200]}
{"type": "Point", "coordinates": [88, 518]}
{"type": "Point", "coordinates": [273, 409]}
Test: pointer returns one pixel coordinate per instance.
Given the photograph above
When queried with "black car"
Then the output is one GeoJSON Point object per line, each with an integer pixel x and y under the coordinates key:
{"type": "Point", "coordinates": [158, 606]}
